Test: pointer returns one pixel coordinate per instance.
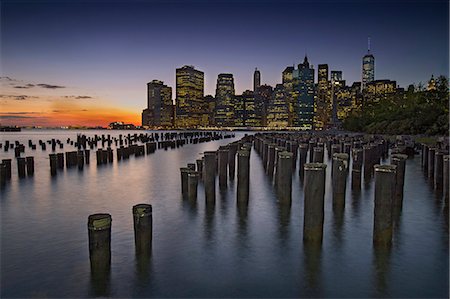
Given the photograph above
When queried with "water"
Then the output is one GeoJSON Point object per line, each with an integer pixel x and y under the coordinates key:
{"type": "Point", "coordinates": [200, 252]}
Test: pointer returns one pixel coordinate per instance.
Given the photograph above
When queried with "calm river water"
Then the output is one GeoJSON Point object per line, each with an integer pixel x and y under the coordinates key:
{"type": "Point", "coordinates": [199, 252]}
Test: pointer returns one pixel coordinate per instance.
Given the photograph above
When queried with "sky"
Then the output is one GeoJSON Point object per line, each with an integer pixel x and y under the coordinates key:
{"type": "Point", "coordinates": [87, 62]}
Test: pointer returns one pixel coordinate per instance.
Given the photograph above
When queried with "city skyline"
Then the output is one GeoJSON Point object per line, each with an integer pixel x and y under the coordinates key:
{"type": "Point", "coordinates": [103, 56]}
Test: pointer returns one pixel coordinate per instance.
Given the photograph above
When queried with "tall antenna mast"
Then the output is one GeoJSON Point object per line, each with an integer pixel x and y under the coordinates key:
{"type": "Point", "coordinates": [368, 44]}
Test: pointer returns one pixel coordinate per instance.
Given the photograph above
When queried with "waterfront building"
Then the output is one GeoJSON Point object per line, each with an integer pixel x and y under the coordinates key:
{"type": "Point", "coordinates": [336, 76]}
{"type": "Point", "coordinates": [159, 111]}
{"type": "Point", "coordinates": [303, 102]}
{"type": "Point", "coordinates": [189, 97]}
{"type": "Point", "coordinates": [278, 108]}
{"type": "Point", "coordinates": [262, 99]}
{"type": "Point", "coordinates": [323, 103]}
{"type": "Point", "coordinates": [245, 112]}
{"type": "Point", "coordinates": [431, 84]}
{"type": "Point", "coordinates": [379, 89]}
{"type": "Point", "coordinates": [256, 80]}
{"type": "Point", "coordinates": [368, 69]}
{"type": "Point", "coordinates": [225, 97]}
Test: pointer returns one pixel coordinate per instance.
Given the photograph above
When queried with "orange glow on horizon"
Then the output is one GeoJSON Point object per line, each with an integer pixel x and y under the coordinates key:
{"type": "Point", "coordinates": [62, 113]}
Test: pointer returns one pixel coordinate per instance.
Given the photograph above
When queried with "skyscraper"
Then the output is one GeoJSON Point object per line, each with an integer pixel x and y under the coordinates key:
{"type": "Point", "coordinates": [224, 115]}
{"type": "Point", "coordinates": [189, 100]}
{"type": "Point", "coordinates": [368, 68]}
{"type": "Point", "coordinates": [159, 112]}
{"type": "Point", "coordinates": [304, 103]}
{"type": "Point", "coordinates": [323, 104]}
{"type": "Point", "coordinates": [336, 76]}
{"type": "Point", "coordinates": [256, 80]}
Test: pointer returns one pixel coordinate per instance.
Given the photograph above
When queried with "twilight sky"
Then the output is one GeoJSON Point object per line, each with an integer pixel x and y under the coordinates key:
{"type": "Point", "coordinates": [88, 62]}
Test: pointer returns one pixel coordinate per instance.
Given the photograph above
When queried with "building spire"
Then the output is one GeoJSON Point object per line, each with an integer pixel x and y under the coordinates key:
{"type": "Point", "coordinates": [368, 44]}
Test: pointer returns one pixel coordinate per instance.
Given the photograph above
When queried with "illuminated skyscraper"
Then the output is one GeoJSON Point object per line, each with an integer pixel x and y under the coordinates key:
{"type": "Point", "coordinates": [278, 108]}
{"type": "Point", "coordinates": [368, 68]}
{"type": "Point", "coordinates": [304, 102]}
{"type": "Point", "coordinates": [336, 76]}
{"type": "Point", "coordinates": [189, 100]}
{"type": "Point", "coordinates": [323, 104]}
{"type": "Point", "coordinates": [256, 80]}
{"type": "Point", "coordinates": [224, 115]}
{"type": "Point", "coordinates": [159, 112]}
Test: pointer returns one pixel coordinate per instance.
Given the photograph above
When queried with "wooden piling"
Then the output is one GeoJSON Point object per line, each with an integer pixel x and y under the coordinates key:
{"type": "Point", "coordinates": [384, 193]}
{"type": "Point", "coordinates": [142, 220]}
{"type": "Point", "coordinates": [314, 192]}
{"type": "Point", "coordinates": [243, 176]}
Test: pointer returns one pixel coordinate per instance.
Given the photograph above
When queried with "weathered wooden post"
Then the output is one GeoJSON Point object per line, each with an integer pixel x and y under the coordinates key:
{"type": "Point", "coordinates": [284, 173]}
{"type": "Point", "coordinates": [210, 176]}
{"type": "Point", "coordinates": [87, 156]}
{"type": "Point", "coordinates": [99, 231]}
{"type": "Point", "coordinates": [445, 178]}
{"type": "Point", "coordinates": [357, 159]}
{"type": "Point", "coordinates": [21, 167]}
{"type": "Point", "coordinates": [232, 149]}
{"type": "Point", "coordinates": [318, 155]}
{"type": "Point", "coordinates": [271, 159]}
{"type": "Point", "coordinates": [192, 185]}
{"type": "Point", "coordinates": [243, 175]}
{"type": "Point", "coordinates": [60, 160]}
{"type": "Point", "coordinates": [438, 170]}
{"type": "Point", "coordinates": [384, 193]}
{"type": "Point", "coordinates": [314, 192]}
{"type": "Point", "coordinates": [30, 165]}
{"type": "Point", "coordinates": [431, 154]}
{"type": "Point", "coordinates": [303, 147]}
{"type": "Point", "coordinates": [199, 163]}
{"type": "Point", "coordinates": [339, 180]}
{"type": "Point", "coordinates": [425, 149]}
{"type": "Point", "coordinates": [223, 163]}
{"type": "Point", "coordinates": [184, 181]}
{"type": "Point", "coordinates": [80, 160]}
{"type": "Point", "coordinates": [142, 220]}
{"type": "Point", "coordinates": [399, 160]}
{"type": "Point", "coordinates": [7, 163]}
{"type": "Point", "coordinates": [53, 163]}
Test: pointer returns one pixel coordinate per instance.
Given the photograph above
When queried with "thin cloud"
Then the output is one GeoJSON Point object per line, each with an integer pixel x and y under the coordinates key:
{"type": "Point", "coordinates": [49, 86]}
{"type": "Point", "coordinates": [17, 97]}
{"type": "Point", "coordinates": [16, 117]}
{"type": "Point", "coordinates": [78, 97]}
{"type": "Point", "coordinates": [25, 86]}
{"type": "Point", "coordinates": [6, 78]}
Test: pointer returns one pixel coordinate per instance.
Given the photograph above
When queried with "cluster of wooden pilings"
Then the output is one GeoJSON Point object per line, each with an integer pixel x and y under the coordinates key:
{"type": "Point", "coordinates": [99, 232]}
{"type": "Point", "coordinates": [220, 163]}
{"type": "Point", "coordinates": [125, 146]}
{"type": "Point", "coordinates": [280, 152]}
{"type": "Point", "coordinates": [435, 164]}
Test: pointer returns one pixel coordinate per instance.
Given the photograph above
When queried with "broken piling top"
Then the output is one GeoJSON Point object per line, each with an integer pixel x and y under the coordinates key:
{"type": "Point", "coordinates": [385, 168]}
{"type": "Point", "coordinates": [315, 166]}
{"type": "Point", "coordinates": [142, 210]}
{"type": "Point", "coordinates": [100, 221]}
{"type": "Point", "coordinates": [398, 157]}
{"type": "Point", "coordinates": [285, 155]}
{"type": "Point", "coordinates": [243, 153]}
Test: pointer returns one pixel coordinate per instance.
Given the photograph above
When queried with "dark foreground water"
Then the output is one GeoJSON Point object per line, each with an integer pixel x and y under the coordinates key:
{"type": "Point", "coordinates": [199, 252]}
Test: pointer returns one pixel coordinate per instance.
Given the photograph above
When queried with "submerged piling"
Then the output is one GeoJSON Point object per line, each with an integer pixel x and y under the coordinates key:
{"type": "Point", "coordinates": [284, 180]}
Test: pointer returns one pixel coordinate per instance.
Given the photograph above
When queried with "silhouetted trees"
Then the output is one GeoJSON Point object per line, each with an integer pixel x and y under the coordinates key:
{"type": "Point", "coordinates": [415, 111]}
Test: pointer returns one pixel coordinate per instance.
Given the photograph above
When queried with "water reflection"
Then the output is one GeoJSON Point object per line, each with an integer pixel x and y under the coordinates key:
{"type": "Point", "coordinates": [356, 203]}
{"type": "Point", "coordinates": [210, 208]}
{"type": "Point", "coordinates": [381, 270]}
{"type": "Point", "coordinates": [284, 216]}
{"type": "Point", "coordinates": [312, 275]}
